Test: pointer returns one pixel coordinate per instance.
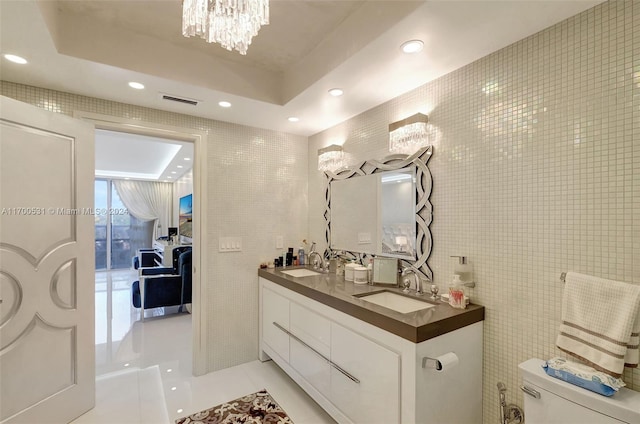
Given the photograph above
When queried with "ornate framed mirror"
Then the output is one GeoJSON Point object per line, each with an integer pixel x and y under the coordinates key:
{"type": "Point", "coordinates": [382, 208]}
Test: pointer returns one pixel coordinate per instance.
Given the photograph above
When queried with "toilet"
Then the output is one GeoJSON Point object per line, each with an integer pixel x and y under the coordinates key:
{"type": "Point", "coordinates": [548, 400]}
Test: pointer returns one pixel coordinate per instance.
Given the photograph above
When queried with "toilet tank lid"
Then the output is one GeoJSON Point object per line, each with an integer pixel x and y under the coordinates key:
{"type": "Point", "coordinates": [624, 405]}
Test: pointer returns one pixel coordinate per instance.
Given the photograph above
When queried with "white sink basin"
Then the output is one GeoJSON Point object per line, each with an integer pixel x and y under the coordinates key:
{"type": "Point", "coordinates": [300, 273]}
{"type": "Point", "coordinates": [397, 302]}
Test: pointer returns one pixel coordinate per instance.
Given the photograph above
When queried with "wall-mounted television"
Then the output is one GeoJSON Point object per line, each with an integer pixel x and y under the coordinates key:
{"type": "Point", "coordinates": [185, 219]}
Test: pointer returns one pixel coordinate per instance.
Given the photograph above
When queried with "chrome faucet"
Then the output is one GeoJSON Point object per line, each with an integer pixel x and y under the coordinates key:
{"type": "Point", "coordinates": [407, 284]}
{"type": "Point", "coordinates": [312, 255]}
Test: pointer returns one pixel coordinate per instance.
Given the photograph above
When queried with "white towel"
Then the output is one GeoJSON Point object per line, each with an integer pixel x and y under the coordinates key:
{"type": "Point", "coordinates": [632, 358]}
{"type": "Point", "coordinates": [598, 317]}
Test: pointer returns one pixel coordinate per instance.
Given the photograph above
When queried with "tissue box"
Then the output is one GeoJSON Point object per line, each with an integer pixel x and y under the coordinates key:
{"type": "Point", "coordinates": [583, 376]}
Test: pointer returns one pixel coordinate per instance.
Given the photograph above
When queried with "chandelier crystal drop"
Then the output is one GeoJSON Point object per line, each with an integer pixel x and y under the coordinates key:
{"type": "Point", "coordinates": [230, 23]}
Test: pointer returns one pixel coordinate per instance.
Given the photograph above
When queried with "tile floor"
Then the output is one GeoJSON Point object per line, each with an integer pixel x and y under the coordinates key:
{"type": "Point", "coordinates": [143, 369]}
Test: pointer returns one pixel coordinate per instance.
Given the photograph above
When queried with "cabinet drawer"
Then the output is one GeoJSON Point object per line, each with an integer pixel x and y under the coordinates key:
{"type": "Point", "coordinates": [376, 397]}
{"type": "Point", "coordinates": [311, 366]}
{"type": "Point", "coordinates": [313, 329]}
{"type": "Point", "coordinates": [275, 309]}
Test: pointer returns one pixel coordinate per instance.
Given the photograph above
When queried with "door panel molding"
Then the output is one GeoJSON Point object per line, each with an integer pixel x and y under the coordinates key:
{"type": "Point", "coordinates": [35, 262]}
{"type": "Point", "coordinates": [54, 287]}
{"type": "Point", "coordinates": [16, 289]}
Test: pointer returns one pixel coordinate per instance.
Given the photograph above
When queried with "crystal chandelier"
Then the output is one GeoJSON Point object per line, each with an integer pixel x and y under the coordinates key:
{"type": "Point", "coordinates": [330, 158]}
{"type": "Point", "coordinates": [409, 135]}
{"type": "Point", "coordinates": [230, 23]}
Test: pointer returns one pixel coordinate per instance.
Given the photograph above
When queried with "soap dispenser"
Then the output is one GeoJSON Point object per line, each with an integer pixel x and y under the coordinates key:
{"type": "Point", "coordinates": [457, 298]}
{"type": "Point", "coordinates": [464, 270]}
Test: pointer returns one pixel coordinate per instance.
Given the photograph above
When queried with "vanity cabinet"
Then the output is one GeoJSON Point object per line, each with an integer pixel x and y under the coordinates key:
{"type": "Point", "coordinates": [362, 374]}
{"type": "Point", "coordinates": [357, 376]}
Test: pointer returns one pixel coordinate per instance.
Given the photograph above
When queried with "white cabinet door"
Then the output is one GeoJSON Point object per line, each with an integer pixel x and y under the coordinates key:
{"type": "Point", "coordinates": [275, 312]}
{"type": "Point", "coordinates": [310, 355]}
{"type": "Point", "coordinates": [375, 398]}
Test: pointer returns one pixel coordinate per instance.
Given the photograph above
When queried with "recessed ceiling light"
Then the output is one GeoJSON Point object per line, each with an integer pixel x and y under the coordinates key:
{"type": "Point", "coordinates": [127, 178]}
{"type": "Point", "coordinates": [179, 411]}
{"type": "Point", "coordinates": [335, 92]}
{"type": "Point", "coordinates": [169, 370]}
{"type": "Point", "coordinates": [136, 85]}
{"type": "Point", "coordinates": [187, 158]}
{"type": "Point", "coordinates": [15, 59]}
{"type": "Point", "coordinates": [224, 104]}
{"type": "Point", "coordinates": [169, 176]}
{"type": "Point", "coordinates": [126, 365]}
{"type": "Point", "coordinates": [412, 46]}
{"type": "Point", "coordinates": [179, 166]}
{"type": "Point", "coordinates": [174, 388]}
{"type": "Point", "coordinates": [173, 172]}
{"type": "Point", "coordinates": [293, 119]}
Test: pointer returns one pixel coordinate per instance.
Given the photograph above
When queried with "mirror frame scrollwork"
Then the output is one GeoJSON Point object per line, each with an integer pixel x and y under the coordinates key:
{"type": "Point", "coordinates": [424, 208]}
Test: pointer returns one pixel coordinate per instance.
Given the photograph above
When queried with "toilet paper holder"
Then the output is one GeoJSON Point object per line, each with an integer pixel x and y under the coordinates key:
{"type": "Point", "coordinates": [432, 363]}
{"type": "Point", "coordinates": [447, 360]}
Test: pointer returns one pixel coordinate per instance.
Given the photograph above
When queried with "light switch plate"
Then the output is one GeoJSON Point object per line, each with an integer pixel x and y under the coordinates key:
{"type": "Point", "coordinates": [279, 242]}
{"type": "Point", "coordinates": [230, 244]}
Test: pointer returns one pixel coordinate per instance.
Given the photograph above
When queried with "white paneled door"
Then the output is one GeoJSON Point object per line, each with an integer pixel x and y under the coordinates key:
{"type": "Point", "coordinates": [47, 359]}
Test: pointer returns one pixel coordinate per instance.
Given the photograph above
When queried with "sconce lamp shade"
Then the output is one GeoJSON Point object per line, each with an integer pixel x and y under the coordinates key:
{"type": "Point", "coordinates": [330, 158]}
{"type": "Point", "coordinates": [409, 135]}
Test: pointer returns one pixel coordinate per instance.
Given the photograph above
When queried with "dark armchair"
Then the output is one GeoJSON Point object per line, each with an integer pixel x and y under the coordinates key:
{"type": "Point", "coordinates": [158, 287]}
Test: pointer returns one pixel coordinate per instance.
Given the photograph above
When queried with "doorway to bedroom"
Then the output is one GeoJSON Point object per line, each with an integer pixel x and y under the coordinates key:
{"type": "Point", "coordinates": [138, 185]}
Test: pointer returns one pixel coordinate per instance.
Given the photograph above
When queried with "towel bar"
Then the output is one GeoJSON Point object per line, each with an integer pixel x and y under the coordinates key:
{"type": "Point", "coordinates": [563, 277]}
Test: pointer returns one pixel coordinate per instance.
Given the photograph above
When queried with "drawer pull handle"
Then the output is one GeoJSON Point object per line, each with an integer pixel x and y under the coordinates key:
{"type": "Point", "coordinates": [296, 338]}
{"type": "Point", "coordinates": [346, 374]}
{"type": "Point", "coordinates": [333, 364]}
{"type": "Point", "coordinates": [531, 392]}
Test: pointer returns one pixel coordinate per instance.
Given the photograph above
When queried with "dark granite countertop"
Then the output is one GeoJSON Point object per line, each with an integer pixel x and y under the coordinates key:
{"type": "Point", "coordinates": [334, 291]}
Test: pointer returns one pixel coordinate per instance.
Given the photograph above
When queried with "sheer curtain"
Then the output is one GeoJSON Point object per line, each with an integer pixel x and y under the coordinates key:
{"type": "Point", "coordinates": [148, 200]}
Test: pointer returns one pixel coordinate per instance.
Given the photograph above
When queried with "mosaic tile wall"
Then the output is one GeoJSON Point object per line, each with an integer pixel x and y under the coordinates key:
{"type": "Point", "coordinates": [257, 189]}
{"type": "Point", "coordinates": [536, 171]}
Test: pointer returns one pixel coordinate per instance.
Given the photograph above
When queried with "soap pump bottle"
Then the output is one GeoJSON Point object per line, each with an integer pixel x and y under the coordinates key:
{"type": "Point", "coordinates": [301, 255]}
{"type": "Point", "coordinates": [456, 293]}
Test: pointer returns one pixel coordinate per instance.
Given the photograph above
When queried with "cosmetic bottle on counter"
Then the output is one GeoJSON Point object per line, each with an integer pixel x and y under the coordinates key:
{"type": "Point", "coordinates": [456, 293]}
{"type": "Point", "coordinates": [301, 255]}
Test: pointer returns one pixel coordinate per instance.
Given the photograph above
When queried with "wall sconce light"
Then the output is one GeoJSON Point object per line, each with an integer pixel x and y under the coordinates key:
{"type": "Point", "coordinates": [409, 135]}
{"type": "Point", "coordinates": [330, 158]}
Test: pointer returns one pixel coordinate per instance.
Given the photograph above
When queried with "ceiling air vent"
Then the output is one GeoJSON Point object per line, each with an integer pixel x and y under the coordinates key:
{"type": "Point", "coordinates": [183, 100]}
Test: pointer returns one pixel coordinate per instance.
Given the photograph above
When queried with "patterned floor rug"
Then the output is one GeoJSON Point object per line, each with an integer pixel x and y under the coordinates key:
{"type": "Point", "coordinates": [256, 408]}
